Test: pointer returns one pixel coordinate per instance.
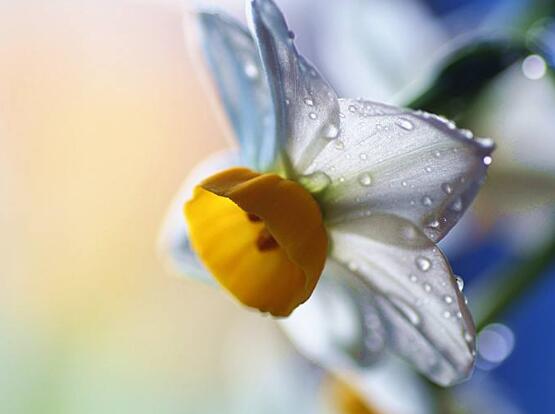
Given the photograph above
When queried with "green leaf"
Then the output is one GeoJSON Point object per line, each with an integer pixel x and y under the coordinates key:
{"type": "Point", "coordinates": [462, 76]}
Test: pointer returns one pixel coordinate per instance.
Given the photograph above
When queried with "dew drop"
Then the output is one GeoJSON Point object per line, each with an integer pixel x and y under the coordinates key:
{"type": "Point", "coordinates": [340, 145]}
{"type": "Point", "coordinates": [423, 263]}
{"type": "Point", "coordinates": [426, 201]}
{"type": "Point", "coordinates": [447, 189]}
{"type": "Point", "coordinates": [446, 314]}
{"type": "Point", "coordinates": [487, 160]}
{"type": "Point", "coordinates": [457, 205]}
{"type": "Point", "coordinates": [437, 154]}
{"type": "Point", "coordinates": [312, 115]}
{"type": "Point", "coordinates": [448, 299]}
{"type": "Point", "coordinates": [413, 278]}
{"type": "Point", "coordinates": [404, 183]}
{"type": "Point", "coordinates": [460, 283]}
{"type": "Point", "coordinates": [331, 132]}
{"type": "Point", "coordinates": [427, 287]}
{"type": "Point", "coordinates": [468, 338]}
{"type": "Point", "coordinates": [467, 133]}
{"type": "Point", "coordinates": [352, 108]}
{"type": "Point", "coordinates": [251, 71]}
{"type": "Point", "coordinates": [428, 169]}
{"type": "Point", "coordinates": [363, 156]}
{"type": "Point", "coordinates": [341, 179]}
{"type": "Point", "coordinates": [405, 124]}
{"type": "Point", "coordinates": [486, 142]}
{"type": "Point", "coordinates": [365, 179]}
{"type": "Point", "coordinates": [309, 101]}
{"type": "Point", "coordinates": [459, 315]}
{"type": "Point", "coordinates": [315, 182]}
{"type": "Point", "coordinates": [434, 224]}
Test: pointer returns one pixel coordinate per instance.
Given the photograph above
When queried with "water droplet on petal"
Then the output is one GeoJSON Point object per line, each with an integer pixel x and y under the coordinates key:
{"type": "Point", "coordinates": [488, 160]}
{"type": "Point", "coordinates": [315, 182]}
{"type": "Point", "coordinates": [434, 224]}
{"type": "Point", "coordinates": [340, 145]}
{"type": "Point", "coordinates": [460, 283]}
{"type": "Point", "coordinates": [486, 142]}
{"type": "Point", "coordinates": [404, 183]}
{"type": "Point", "coordinates": [428, 169]}
{"type": "Point", "coordinates": [426, 201]}
{"type": "Point", "coordinates": [331, 132]}
{"type": "Point", "coordinates": [446, 314]}
{"type": "Point", "coordinates": [423, 263]}
{"type": "Point", "coordinates": [448, 299]}
{"type": "Point", "coordinates": [352, 108]}
{"type": "Point", "coordinates": [363, 156]}
{"type": "Point", "coordinates": [437, 154]}
{"type": "Point", "coordinates": [309, 101]}
{"type": "Point", "coordinates": [413, 278]}
{"type": "Point", "coordinates": [467, 337]}
{"type": "Point", "coordinates": [427, 287]}
{"type": "Point", "coordinates": [457, 205]}
{"type": "Point", "coordinates": [365, 179]}
{"type": "Point", "coordinates": [467, 133]}
{"type": "Point", "coordinates": [405, 124]}
{"type": "Point", "coordinates": [447, 189]}
{"type": "Point", "coordinates": [312, 115]}
{"type": "Point", "coordinates": [251, 70]}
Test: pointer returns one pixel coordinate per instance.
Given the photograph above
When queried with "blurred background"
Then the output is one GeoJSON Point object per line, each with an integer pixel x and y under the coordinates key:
{"type": "Point", "coordinates": [102, 115]}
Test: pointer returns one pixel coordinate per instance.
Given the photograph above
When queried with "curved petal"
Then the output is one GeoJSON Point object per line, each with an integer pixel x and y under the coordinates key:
{"type": "Point", "coordinates": [423, 309]}
{"type": "Point", "coordinates": [307, 113]}
{"type": "Point", "coordinates": [396, 161]}
{"type": "Point", "coordinates": [233, 59]}
{"type": "Point", "coordinates": [339, 327]}
{"type": "Point", "coordinates": [173, 241]}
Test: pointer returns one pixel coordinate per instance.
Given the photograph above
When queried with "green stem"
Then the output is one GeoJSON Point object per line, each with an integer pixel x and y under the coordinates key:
{"type": "Point", "coordinates": [515, 284]}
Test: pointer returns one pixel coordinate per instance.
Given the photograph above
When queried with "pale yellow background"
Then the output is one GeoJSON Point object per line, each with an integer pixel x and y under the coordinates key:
{"type": "Point", "coordinates": [101, 117]}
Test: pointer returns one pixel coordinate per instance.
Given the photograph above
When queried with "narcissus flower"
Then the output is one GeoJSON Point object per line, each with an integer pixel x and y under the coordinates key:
{"type": "Point", "coordinates": [351, 193]}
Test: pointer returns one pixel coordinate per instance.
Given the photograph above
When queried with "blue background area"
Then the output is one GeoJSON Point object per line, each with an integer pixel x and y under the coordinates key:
{"type": "Point", "coordinates": [528, 374]}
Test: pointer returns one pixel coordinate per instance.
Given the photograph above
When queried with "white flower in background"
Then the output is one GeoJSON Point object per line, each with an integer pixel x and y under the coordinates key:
{"type": "Point", "coordinates": [352, 190]}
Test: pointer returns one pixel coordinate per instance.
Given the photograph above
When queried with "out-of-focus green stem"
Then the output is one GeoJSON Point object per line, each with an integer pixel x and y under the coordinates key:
{"type": "Point", "coordinates": [515, 284]}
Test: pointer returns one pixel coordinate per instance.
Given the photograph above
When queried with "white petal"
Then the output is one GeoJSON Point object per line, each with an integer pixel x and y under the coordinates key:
{"type": "Point", "coordinates": [339, 327]}
{"type": "Point", "coordinates": [423, 310]}
{"type": "Point", "coordinates": [173, 241]}
{"type": "Point", "coordinates": [233, 60]}
{"type": "Point", "coordinates": [396, 161]}
{"type": "Point", "coordinates": [305, 106]}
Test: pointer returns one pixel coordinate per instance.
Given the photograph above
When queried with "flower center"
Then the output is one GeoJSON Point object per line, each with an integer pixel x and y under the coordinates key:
{"type": "Point", "coordinates": [265, 239]}
{"type": "Point", "coordinates": [261, 236]}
